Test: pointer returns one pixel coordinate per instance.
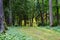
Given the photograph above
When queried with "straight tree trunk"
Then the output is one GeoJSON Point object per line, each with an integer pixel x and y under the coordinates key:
{"type": "Point", "coordinates": [1, 17]}
{"type": "Point", "coordinates": [10, 13]}
{"type": "Point", "coordinates": [31, 22]}
{"type": "Point", "coordinates": [50, 13]}
{"type": "Point", "coordinates": [20, 22]}
{"type": "Point", "coordinates": [24, 22]}
{"type": "Point", "coordinates": [42, 12]}
{"type": "Point", "coordinates": [13, 19]}
{"type": "Point", "coordinates": [46, 18]}
{"type": "Point", "coordinates": [57, 10]}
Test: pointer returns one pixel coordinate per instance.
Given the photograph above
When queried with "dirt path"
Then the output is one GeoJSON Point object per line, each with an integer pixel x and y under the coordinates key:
{"type": "Point", "coordinates": [40, 34]}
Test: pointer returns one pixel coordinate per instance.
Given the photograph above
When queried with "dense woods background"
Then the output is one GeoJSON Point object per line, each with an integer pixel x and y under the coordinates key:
{"type": "Point", "coordinates": [29, 13]}
{"type": "Point", "coordinates": [29, 19]}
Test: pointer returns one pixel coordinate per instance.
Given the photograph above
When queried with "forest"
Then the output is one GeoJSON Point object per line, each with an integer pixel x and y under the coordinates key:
{"type": "Point", "coordinates": [29, 19]}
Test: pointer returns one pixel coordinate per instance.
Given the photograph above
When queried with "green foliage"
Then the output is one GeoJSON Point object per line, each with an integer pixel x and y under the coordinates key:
{"type": "Point", "coordinates": [27, 9]}
{"type": "Point", "coordinates": [13, 34]}
{"type": "Point", "coordinates": [56, 28]}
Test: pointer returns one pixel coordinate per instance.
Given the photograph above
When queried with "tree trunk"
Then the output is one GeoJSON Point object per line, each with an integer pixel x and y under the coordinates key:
{"type": "Point", "coordinates": [50, 13]}
{"type": "Point", "coordinates": [46, 18]}
{"type": "Point", "coordinates": [20, 22]}
{"type": "Point", "coordinates": [42, 13]}
{"type": "Point", "coordinates": [57, 10]}
{"type": "Point", "coordinates": [24, 22]}
{"type": "Point", "coordinates": [31, 22]}
{"type": "Point", "coordinates": [1, 17]}
{"type": "Point", "coordinates": [10, 13]}
{"type": "Point", "coordinates": [13, 19]}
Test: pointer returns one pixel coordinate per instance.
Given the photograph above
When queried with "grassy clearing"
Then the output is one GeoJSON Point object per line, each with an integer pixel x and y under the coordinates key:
{"type": "Point", "coordinates": [40, 33]}
{"type": "Point", "coordinates": [31, 33]}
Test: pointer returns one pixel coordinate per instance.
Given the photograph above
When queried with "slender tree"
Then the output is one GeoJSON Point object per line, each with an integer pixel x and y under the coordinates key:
{"type": "Point", "coordinates": [1, 17]}
{"type": "Point", "coordinates": [50, 13]}
{"type": "Point", "coordinates": [57, 10]}
{"type": "Point", "coordinates": [10, 13]}
{"type": "Point", "coordinates": [38, 11]}
{"type": "Point", "coordinates": [42, 12]}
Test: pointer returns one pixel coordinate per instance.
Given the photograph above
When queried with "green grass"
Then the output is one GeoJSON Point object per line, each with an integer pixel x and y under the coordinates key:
{"type": "Point", "coordinates": [57, 28]}
{"type": "Point", "coordinates": [31, 33]}
{"type": "Point", "coordinates": [14, 34]}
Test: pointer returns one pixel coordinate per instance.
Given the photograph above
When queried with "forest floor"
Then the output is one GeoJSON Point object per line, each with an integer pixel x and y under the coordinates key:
{"type": "Point", "coordinates": [31, 33]}
{"type": "Point", "coordinates": [40, 33]}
